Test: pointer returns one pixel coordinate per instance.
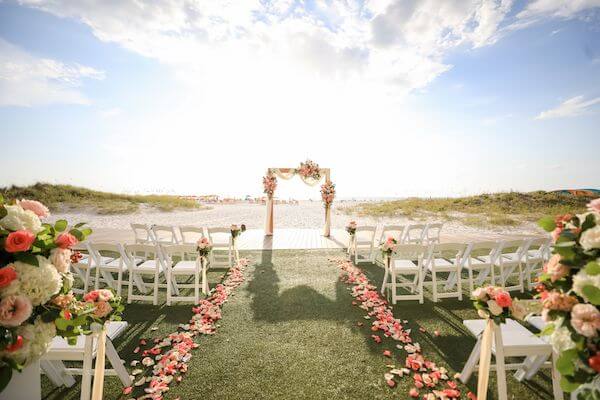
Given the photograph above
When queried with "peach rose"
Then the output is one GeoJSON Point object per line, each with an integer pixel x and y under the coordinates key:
{"type": "Point", "coordinates": [63, 300]}
{"type": "Point", "coordinates": [66, 240]}
{"type": "Point", "coordinates": [14, 310]}
{"type": "Point", "coordinates": [61, 259]}
{"type": "Point", "coordinates": [38, 208]}
{"type": "Point", "coordinates": [585, 319]}
{"type": "Point", "coordinates": [555, 269]}
{"type": "Point", "coordinates": [503, 299]}
{"type": "Point", "coordinates": [102, 309]}
{"type": "Point", "coordinates": [559, 301]}
{"type": "Point", "coordinates": [19, 241]}
{"type": "Point", "coordinates": [7, 275]}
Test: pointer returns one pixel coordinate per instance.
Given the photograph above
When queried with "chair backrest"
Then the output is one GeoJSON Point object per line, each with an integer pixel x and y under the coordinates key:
{"type": "Point", "coordinates": [541, 245]}
{"type": "Point", "coordinates": [488, 248]}
{"type": "Point", "coordinates": [165, 234]}
{"type": "Point", "coordinates": [409, 252]}
{"type": "Point", "coordinates": [181, 251]}
{"type": "Point", "coordinates": [191, 234]}
{"type": "Point", "coordinates": [519, 246]}
{"type": "Point", "coordinates": [415, 233]}
{"type": "Point", "coordinates": [365, 233]}
{"type": "Point", "coordinates": [395, 231]}
{"type": "Point", "coordinates": [216, 235]}
{"type": "Point", "coordinates": [433, 231]}
{"type": "Point", "coordinates": [143, 233]}
{"type": "Point", "coordinates": [449, 250]}
{"type": "Point", "coordinates": [96, 250]}
{"type": "Point", "coordinates": [146, 251]}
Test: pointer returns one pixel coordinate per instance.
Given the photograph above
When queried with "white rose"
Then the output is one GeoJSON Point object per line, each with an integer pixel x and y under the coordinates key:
{"type": "Point", "coordinates": [495, 309]}
{"type": "Point", "coordinates": [18, 219]}
{"type": "Point", "coordinates": [561, 338]}
{"type": "Point", "coordinates": [479, 294]}
{"type": "Point", "coordinates": [37, 283]}
{"type": "Point", "coordinates": [61, 258]}
{"type": "Point", "coordinates": [581, 280]}
{"type": "Point", "coordinates": [590, 239]}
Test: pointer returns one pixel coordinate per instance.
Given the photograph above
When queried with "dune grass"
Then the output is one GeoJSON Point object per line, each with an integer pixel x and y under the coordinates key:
{"type": "Point", "coordinates": [67, 197]}
{"type": "Point", "coordinates": [502, 209]}
{"type": "Point", "coordinates": [291, 332]}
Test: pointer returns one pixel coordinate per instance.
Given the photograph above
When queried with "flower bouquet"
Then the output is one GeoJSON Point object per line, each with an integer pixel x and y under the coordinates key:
{"type": "Point", "coordinates": [388, 247]}
{"type": "Point", "coordinates": [495, 303]}
{"type": "Point", "coordinates": [269, 185]}
{"type": "Point", "coordinates": [237, 230]}
{"type": "Point", "coordinates": [309, 170]}
{"type": "Point", "coordinates": [327, 193]}
{"type": "Point", "coordinates": [204, 247]}
{"type": "Point", "coordinates": [570, 293]}
{"type": "Point", "coordinates": [36, 300]}
{"type": "Point", "coordinates": [351, 228]}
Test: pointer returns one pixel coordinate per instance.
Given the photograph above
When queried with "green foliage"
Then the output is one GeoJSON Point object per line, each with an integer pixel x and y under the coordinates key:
{"type": "Point", "coordinates": [592, 293]}
{"type": "Point", "coordinates": [57, 197]}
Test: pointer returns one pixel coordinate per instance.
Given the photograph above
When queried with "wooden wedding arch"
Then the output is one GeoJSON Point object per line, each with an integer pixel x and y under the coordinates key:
{"type": "Point", "coordinates": [289, 173]}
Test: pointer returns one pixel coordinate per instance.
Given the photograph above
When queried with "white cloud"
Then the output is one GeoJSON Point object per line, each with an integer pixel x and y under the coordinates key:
{"type": "Point", "coordinates": [570, 108]}
{"type": "Point", "coordinates": [557, 8]}
{"type": "Point", "coordinates": [26, 80]}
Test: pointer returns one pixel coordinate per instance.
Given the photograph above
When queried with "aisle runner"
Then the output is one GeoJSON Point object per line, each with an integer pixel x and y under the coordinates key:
{"type": "Point", "coordinates": [430, 381]}
{"type": "Point", "coordinates": [166, 359]}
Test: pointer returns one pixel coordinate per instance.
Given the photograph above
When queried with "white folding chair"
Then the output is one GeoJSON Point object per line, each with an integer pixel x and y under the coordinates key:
{"type": "Point", "coordinates": [84, 350]}
{"type": "Point", "coordinates": [482, 258]}
{"type": "Point", "coordinates": [189, 264]}
{"type": "Point", "coordinates": [510, 340]}
{"type": "Point", "coordinates": [106, 266]}
{"type": "Point", "coordinates": [364, 242]}
{"type": "Point", "coordinates": [532, 364]}
{"type": "Point", "coordinates": [407, 261]}
{"type": "Point", "coordinates": [143, 259]}
{"type": "Point", "coordinates": [536, 256]}
{"type": "Point", "coordinates": [222, 251]}
{"type": "Point", "coordinates": [444, 258]}
{"type": "Point", "coordinates": [143, 234]}
{"type": "Point", "coordinates": [191, 234]}
{"type": "Point", "coordinates": [165, 234]}
{"type": "Point", "coordinates": [510, 262]}
{"type": "Point", "coordinates": [432, 233]}
{"type": "Point", "coordinates": [415, 234]}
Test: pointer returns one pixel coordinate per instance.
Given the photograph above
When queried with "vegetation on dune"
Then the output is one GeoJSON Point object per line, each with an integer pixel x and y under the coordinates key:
{"type": "Point", "coordinates": [504, 209]}
{"type": "Point", "coordinates": [61, 197]}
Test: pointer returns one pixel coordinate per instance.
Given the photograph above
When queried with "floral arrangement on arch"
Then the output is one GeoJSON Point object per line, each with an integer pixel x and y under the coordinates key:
{"type": "Point", "coordinates": [309, 170]}
{"type": "Point", "coordinates": [569, 289]}
{"type": "Point", "coordinates": [36, 300]}
{"type": "Point", "coordinates": [327, 193]}
{"type": "Point", "coordinates": [269, 185]}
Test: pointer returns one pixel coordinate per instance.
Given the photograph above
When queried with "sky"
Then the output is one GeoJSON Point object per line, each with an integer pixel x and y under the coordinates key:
{"type": "Point", "coordinates": [397, 97]}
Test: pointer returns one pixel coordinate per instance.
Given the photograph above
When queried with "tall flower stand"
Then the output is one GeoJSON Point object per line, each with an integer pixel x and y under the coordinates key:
{"type": "Point", "coordinates": [24, 385]}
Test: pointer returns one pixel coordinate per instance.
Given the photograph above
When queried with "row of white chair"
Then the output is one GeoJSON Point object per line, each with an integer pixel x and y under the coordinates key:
{"type": "Point", "coordinates": [168, 234]}
{"type": "Point", "coordinates": [363, 244]}
{"type": "Point", "coordinates": [110, 262]}
{"type": "Point", "coordinates": [511, 264]}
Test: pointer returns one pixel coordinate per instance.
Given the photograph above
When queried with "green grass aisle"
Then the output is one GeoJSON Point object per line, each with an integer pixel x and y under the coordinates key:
{"type": "Point", "coordinates": [290, 332]}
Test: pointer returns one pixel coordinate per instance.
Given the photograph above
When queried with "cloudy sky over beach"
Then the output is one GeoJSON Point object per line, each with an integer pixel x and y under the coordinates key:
{"type": "Point", "coordinates": [397, 97]}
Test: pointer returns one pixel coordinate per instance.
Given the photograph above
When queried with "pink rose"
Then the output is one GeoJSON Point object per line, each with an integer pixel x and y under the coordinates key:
{"type": "Point", "coordinates": [14, 310]}
{"type": "Point", "coordinates": [61, 259]}
{"type": "Point", "coordinates": [585, 319]}
{"type": "Point", "coordinates": [19, 241]}
{"type": "Point", "coordinates": [102, 309]}
{"type": "Point", "coordinates": [66, 240]}
{"type": "Point", "coordinates": [7, 275]}
{"type": "Point", "coordinates": [503, 299]}
{"type": "Point", "coordinates": [594, 205]}
{"type": "Point", "coordinates": [555, 269]}
{"type": "Point", "coordinates": [479, 294]}
{"type": "Point", "coordinates": [105, 295]}
{"type": "Point", "coordinates": [38, 208]}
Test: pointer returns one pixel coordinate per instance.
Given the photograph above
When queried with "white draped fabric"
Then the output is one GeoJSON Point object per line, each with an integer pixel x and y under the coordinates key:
{"type": "Point", "coordinates": [287, 174]}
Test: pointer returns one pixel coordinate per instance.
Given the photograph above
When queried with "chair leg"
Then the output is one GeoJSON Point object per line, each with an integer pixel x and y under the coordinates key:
{"type": "Point", "coordinates": [130, 288]}
{"type": "Point", "coordinates": [459, 284]}
{"type": "Point", "coordinates": [86, 374]}
{"type": "Point", "coordinates": [385, 278]}
{"type": "Point", "coordinates": [117, 363]}
{"type": "Point", "coordinates": [119, 282]}
{"type": "Point", "coordinates": [500, 368]}
{"type": "Point", "coordinates": [169, 289]}
{"type": "Point", "coordinates": [556, 390]}
{"type": "Point", "coordinates": [467, 370]}
{"type": "Point", "coordinates": [393, 276]}
{"type": "Point", "coordinates": [434, 285]}
{"type": "Point", "coordinates": [155, 294]}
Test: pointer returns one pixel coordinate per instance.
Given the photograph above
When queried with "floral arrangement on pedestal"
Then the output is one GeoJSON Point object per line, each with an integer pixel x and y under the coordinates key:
{"type": "Point", "coordinates": [327, 193]}
{"type": "Point", "coordinates": [204, 247]}
{"type": "Point", "coordinates": [351, 228]}
{"type": "Point", "coordinates": [269, 185]}
{"type": "Point", "coordinates": [36, 300]}
{"type": "Point", "coordinates": [569, 289]}
{"type": "Point", "coordinates": [495, 303]}
{"type": "Point", "coordinates": [309, 170]}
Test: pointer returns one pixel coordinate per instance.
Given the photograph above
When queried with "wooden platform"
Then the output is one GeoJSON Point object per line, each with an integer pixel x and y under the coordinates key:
{"type": "Point", "coordinates": [255, 239]}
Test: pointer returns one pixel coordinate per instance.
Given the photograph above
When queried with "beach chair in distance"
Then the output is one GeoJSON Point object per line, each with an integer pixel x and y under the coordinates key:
{"type": "Point", "coordinates": [191, 234]}
{"type": "Point", "coordinates": [510, 263]}
{"type": "Point", "coordinates": [363, 245]}
{"type": "Point", "coordinates": [432, 233]}
{"type": "Point", "coordinates": [436, 263]}
{"type": "Point", "coordinates": [106, 266]}
{"type": "Point", "coordinates": [482, 258]}
{"type": "Point", "coordinates": [150, 265]}
{"type": "Point", "coordinates": [407, 261]}
{"type": "Point", "coordinates": [395, 231]}
{"type": "Point", "coordinates": [143, 234]}
{"type": "Point", "coordinates": [536, 256]}
{"type": "Point", "coordinates": [222, 252]}
{"type": "Point", "coordinates": [415, 234]}
{"type": "Point", "coordinates": [164, 234]}
{"type": "Point", "coordinates": [83, 268]}
{"type": "Point", "coordinates": [182, 260]}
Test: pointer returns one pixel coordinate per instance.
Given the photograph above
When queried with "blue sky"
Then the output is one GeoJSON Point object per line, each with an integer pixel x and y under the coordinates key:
{"type": "Point", "coordinates": [398, 98]}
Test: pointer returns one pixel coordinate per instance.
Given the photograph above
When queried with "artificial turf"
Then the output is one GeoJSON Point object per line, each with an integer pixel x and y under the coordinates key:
{"type": "Point", "coordinates": [290, 332]}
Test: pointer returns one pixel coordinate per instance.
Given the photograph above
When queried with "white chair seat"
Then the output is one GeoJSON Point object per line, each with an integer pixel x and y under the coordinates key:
{"type": "Point", "coordinates": [441, 263]}
{"type": "Point", "coordinates": [512, 257]}
{"type": "Point", "coordinates": [481, 260]}
{"type": "Point", "coordinates": [404, 266]}
{"type": "Point", "coordinates": [517, 340]}
{"type": "Point", "coordinates": [60, 349]}
{"type": "Point", "coordinates": [116, 263]}
{"type": "Point", "coordinates": [148, 266]}
{"type": "Point", "coordinates": [537, 322]}
{"type": "Point", "coordinates": [186, 267]}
